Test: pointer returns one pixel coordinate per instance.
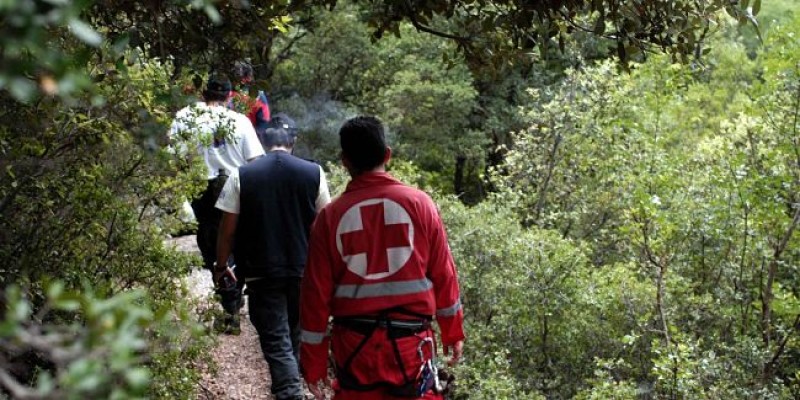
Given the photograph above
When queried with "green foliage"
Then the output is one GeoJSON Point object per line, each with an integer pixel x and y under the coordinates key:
{"type": "Point", "coordinates": [88, 195]}
{"type": "Point", "coordinates": [489, 376]}
{"type": "Point", "coordinates": [605, 386]}
{"type": "Point", "coordinates": [96, 346]}
{"type": "Point", "coordinates": [536, 299]}
{"type": "Point", "coordinates": [689, 179]}
{"type": "Point", "coordinates": [642, 244]}
{"type": "Point", "coordinates": [425, 105]}
{"type": "Point", "coordinates": [337, 177]}
{"type": "Point", "coordinates": [45, 46]}
{"type": "Point", "coordinates": [27, 31]}
{"type": "Point", "coordinates": [331, 57]}
{"type": "Point", "coordinates": [494, 32]}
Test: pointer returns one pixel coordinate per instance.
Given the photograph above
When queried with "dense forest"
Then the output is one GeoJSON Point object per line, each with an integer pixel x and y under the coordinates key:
{"type": "Point", "coordinates": [620, 182]}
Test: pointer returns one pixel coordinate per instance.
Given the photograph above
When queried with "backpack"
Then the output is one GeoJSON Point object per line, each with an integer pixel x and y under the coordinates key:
{"type": "Point", "coordinates": [256, 110]}
{"type": "Point", "coordinates": [260, 114]}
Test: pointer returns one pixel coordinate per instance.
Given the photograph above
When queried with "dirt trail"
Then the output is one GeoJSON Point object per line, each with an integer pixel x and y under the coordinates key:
{"type": "Point", "coordinates": [242, 373]}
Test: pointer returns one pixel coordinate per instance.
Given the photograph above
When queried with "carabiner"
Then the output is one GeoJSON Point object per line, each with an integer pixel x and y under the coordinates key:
{"type": "Point", "coordinates": [428, 340]}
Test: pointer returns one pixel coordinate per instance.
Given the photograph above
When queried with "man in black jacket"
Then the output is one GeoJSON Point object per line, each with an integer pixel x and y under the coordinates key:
{"type": "Point", "coordinates": [268, 208]}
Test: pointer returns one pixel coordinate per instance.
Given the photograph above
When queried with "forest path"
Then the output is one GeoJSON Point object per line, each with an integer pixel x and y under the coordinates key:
{"type": "Point", "coordinates": [241, 372]}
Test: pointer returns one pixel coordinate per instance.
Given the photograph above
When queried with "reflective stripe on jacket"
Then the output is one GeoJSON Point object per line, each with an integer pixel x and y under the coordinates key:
{"type": "Point", "coordinates": [381, 245]}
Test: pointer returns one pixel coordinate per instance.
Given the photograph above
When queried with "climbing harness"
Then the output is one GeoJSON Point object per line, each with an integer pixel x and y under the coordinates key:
{"type": "Point", "coordinates": [426, 378]}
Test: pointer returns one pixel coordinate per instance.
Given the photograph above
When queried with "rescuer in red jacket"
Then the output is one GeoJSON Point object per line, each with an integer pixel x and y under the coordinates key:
{"type": "Point", "coordinates": [380, 265]}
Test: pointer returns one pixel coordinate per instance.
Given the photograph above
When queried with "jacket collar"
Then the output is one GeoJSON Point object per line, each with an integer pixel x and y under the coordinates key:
{"type": "Point", "coordinates": [371, 179]}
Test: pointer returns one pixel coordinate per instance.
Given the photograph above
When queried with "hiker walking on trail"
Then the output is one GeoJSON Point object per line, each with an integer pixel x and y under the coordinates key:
{"type": "Point", "coordinates": [226, 140]}
{"type": "Point", "coordinates": [268, 209]}
{"type": "Point", "coordinates": [379, 263]}
{"type": "Point", "coordinates": [257, 110]}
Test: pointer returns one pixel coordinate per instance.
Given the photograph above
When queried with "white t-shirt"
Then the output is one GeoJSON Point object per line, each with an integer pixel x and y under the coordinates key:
{"type": "Point", "coordinates": [229, 197]}
{"type": "Point", "coordinates": [225, 138]}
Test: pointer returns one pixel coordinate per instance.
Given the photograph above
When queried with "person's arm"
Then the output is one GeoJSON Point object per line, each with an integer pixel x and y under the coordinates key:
{"type": "Point", "coordinates": [442, 272]}
{"type": "Point", "coordinates": [323, 194]}
{"type": "Point", "coordinates": [227, 229]}
{"type": "Point", "coordinates": [228, 202]}
{"type": "Point", "coordinates": [315, 298]}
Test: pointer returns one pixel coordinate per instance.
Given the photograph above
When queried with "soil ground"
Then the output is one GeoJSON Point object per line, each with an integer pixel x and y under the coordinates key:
{"type": "Point", "coordinates": [241, 372]}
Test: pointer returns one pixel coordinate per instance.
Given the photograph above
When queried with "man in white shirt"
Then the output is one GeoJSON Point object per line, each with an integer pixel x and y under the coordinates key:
{"type": "Point", "coordinates": [268, 209]}
{"type": "Point", "coordinates": [226, 140]}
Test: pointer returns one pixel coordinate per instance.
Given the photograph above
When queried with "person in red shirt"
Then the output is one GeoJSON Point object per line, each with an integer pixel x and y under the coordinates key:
{"type": "Point", "coordinates": [257, 110]}
{"type": "Point", "coordinates": [380, 265]}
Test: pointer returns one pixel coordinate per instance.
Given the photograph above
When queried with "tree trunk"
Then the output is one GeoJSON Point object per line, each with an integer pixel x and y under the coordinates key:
{"type": "Point", "coordinates": [458, 177]}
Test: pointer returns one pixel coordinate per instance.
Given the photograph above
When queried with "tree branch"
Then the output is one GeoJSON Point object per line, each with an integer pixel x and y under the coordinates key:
{"type": "Point", "coordinates": [423, 28]}
{"type": "Point", "coordinates": [770, 366]}
{"type": "Point", "coordinates": [17, 390]}
{"type": "Point", "coordinates": [661, 272]}
{"type": "Point", "coordinates": [767, 294]}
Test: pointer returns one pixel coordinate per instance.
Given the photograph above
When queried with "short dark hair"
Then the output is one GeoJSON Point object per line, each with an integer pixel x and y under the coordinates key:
{"type": "Point", "coordinates": [242, 70]}
{"type": "Point", "coordinates": [363, 142]}
{"type": "Point", "coordinates": [217, 88]}
{"type": "Point", "coordinates": [271, 137]}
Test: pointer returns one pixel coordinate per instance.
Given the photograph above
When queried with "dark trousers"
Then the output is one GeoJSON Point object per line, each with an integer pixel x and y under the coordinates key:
{"type": "Point", "coordinates": [208, 218]}
{"type": "Point", "coordinates": [275, 313]}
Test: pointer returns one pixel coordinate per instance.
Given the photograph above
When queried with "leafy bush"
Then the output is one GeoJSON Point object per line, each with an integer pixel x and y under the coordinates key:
{"type": "Point", "coordinates": [681, 182]}
{"type": "Point", "coordinates": [538, 313]}
{"type": "Point", "coordinates": [78, 344]}
{"type": "Point", "coordinates": [88, 195]}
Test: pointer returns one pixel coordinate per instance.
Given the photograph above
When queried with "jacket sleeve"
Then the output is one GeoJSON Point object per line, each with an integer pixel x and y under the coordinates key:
{"type": "Point", "coordinates": [442, 272]}
{"type": "Point", "coordinates": [316, 294]}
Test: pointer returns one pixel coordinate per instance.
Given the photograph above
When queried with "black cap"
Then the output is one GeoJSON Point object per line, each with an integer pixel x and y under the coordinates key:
{"type": "Point", "coordinates": [219, 84]}
{"type": "Point", "coordinates": [281, 120]}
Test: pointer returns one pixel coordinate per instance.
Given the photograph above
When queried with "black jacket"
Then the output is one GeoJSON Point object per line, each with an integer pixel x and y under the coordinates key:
{"type": "Point", "coordinates": [278, 194]}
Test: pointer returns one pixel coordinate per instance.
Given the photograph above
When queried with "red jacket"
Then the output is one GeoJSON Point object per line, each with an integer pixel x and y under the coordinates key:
{"type": "Point", "coordinates": [380, 245]}
{"type": "Point", "coordinates": [255, 109]}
